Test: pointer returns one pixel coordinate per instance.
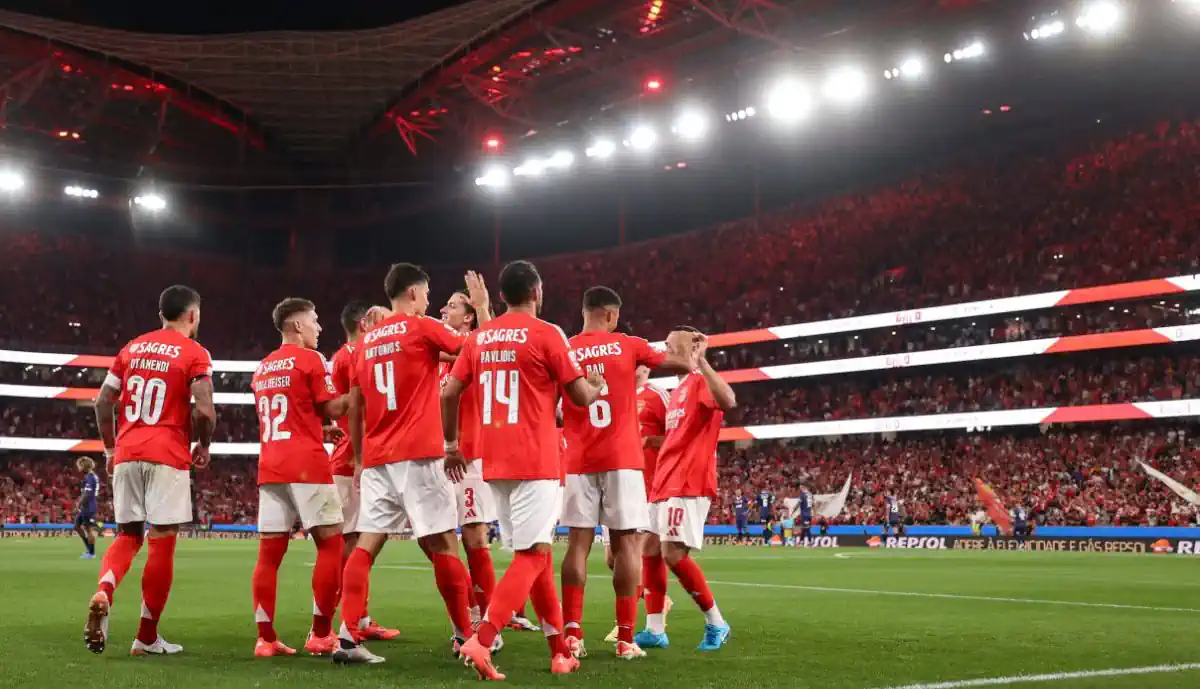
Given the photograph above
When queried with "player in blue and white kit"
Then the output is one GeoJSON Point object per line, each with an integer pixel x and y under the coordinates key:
{"type": "Point", "coordinates": [1020, 525]}
{"type": "Point", "coordinates": [895, 517]}
{"type": "Point", "coordinates": [741, 514]}
{"type": "Point", "coordinates": [766, 500]}
{"type": "Point", "coordinates": [85, 507]}
{"type": "Point", "coordinates": [805, 509]}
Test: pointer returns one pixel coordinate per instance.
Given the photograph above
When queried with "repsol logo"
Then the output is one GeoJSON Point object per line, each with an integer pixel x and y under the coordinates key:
{"type": "Point", "coordinates": [1187, 548]}
{"type": "Point", "coordinates": [916, 542]}
{"type": "Point", "coordinates": [818, 542]}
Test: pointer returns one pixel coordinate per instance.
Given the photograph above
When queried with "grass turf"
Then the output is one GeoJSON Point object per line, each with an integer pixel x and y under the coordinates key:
{"type": "Point", "coordinates": [784, 634]}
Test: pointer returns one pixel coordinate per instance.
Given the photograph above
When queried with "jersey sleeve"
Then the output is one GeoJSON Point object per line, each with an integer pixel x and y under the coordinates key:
{"type": "Point", "coordinates": [463, 368]}
{"type": "Point", "coordinates": [705, 396]}
{"type": "Point", "coordinates": [442, 337]}
{"type": "Point", "coordinates": [116, 374]}
{"type": "Point", "coordinates": [320, 382]}
{"type": "Point", "coordinates": [201, 366]}
{"type": "Point", "coordinates": [645, 354]}
{"type": "Point", "coordinates": [559, 358]}
{"type": "Point", "coordinates": [341, 371]}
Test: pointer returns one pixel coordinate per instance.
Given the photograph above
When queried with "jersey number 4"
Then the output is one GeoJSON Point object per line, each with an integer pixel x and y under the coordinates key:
{"type": "Point", "coordinates": [500, 387]}
{"type": "Point", "coordinates": [272, 411]}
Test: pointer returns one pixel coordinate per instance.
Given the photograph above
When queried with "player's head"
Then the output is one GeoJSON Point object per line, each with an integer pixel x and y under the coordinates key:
{"type": "Point", "coordinates": [407, 284]}
{"type": "Point", "coordinates": [458, 313]}
{"type": "Point", "coordinates": [353, 315]}
{"type": "Point", "coordinates": [602, 308]}
{"type": "Point", "coordinates": [642, 375]}
{"type": "Point", "coordinates": [296, 321]}
{"type": "Point", "coordinates": [689, 329]}
{"type": "Point", "coordinates": [85, 464]}
{"type": "Point", "coordinates": [179, 306]}
{"type": "Point", "coordinates": [520, 285]}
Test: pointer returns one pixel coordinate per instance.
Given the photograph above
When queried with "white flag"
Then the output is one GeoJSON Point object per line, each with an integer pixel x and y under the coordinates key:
{"type": "Point", "coordinates": [1180, 489]}
{"type": "Point", "coordinates": [827, 505]}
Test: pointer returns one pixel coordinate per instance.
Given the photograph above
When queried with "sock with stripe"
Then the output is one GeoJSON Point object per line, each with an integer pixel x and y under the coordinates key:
{"type": "Point", "coordinates": [326, 582]}
{"type": "Point", "coordinates": [156, 585]}
{"type": "Point", "coordinates": [116, 562]}
{"type": "Point", "coordinates": [264, 584]}
{"type": "Point", "coordinates": [454, 584]}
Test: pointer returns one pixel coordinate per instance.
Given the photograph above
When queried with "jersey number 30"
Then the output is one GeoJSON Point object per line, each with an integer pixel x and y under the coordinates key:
{"type": "Point", "coordinates": [146, 399]}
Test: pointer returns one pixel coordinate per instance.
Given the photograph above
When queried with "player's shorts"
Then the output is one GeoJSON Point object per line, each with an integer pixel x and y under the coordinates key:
{"type": "Point", "coordinates": [415, 491]}
{"type": "Point", "coordinates": [681, 520]}
{"type": "Point", "coordinates": [86, 519]}
{"type": "Point", "coordinates": [616, 499]}
{"type": "Point", "coordinates": [528, 511]}
{"type": "Point", "coordinates": [348, 496]}
{"type": "Point", "coordinates": [742, 520]}
{"type": "Point", "coordinates": [280, 504]}
{"type": "Point", "coordinates": [150, 492]}
{"type": "Point", "coordinates": [474, 497]}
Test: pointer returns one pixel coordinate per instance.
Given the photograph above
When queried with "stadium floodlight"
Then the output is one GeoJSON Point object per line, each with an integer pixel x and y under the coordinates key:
{"type": "Point", "coordinates": [11, 181]}
{"type": "Point", "coordinates": [601, 148]}
{"type": "Point", "coordinates": [642, 137]}
{"type": "Point", "coordinates": [691, 125]}
{"type": "Point", "coordinates": [494, 177]}
{"type": "Point", "coordinates": [530, 168]}
{"type": "Point", "coordinates": [561, 159]}
{"type": "Point", "coordinates": [150, 201]}
{"type": "Point", "coordinates": [1046, 30]}
{"type": "Point", "coordinates": [1102, 17]}
{"type": "Point", "coordinates": [968, 52]}
{"type": "Point", "coordinates": [912, 68]}
{"type": "Point", "coordinates": [846, 85]}
{"type": "Point", "coordinates": [789, 101]}
{"type": "Point", "coordinates": [81, 192]}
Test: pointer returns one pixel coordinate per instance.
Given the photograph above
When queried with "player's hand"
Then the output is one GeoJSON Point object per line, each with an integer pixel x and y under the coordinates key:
{"type": "Point", "coordinates": [358, 467]}
{"type": "Point", "coordinates": [596, 380]}
{"type": "Point", "coordinates": [700, 344]}
{"type": "Point", "coordinates": [200, 456]}
{"type": "Point", "coordinates": [109, 466]}
{"type": "Point", "coordinates": [333, 433]}
{"type": "Point", "coordinates": [680, 342]}
{"type": "Point", "coordinates": [456, 466]}
{"type": "Point", "coordinates": [477, 292]}
{"type": "Point", "coordinates": [376, 314]}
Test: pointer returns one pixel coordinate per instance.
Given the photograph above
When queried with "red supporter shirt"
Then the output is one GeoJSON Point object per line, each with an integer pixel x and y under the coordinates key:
{"type": "Point", "coordinates": [652, 420]}
{"type": "Point", "coordinates": [519, 363]}
{"type": "Point", "coordinates": [603, 436]}
{"type": "Point", "coordinates": [396, 367]}
{"type": "Point", "coordinates": [468, 415]}
{"type": "Point", "coordinates": [342, 460]}
{"type": "Point", "coordinates": [154, 373]}
{"type": "Point", "coordinates": [687, 461]}
{"type": "Point", "coordinates": [288, 386]}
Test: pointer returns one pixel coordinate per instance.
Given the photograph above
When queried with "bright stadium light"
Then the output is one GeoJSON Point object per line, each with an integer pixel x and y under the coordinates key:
{"type": "Point", "coordinates": [530, 168]}
{"type": "Point", "coordinates": [789, 101]}
{"type": "Point", "coordinates": [968, 52]}
{"type": "Point", "coordinates": [81, 192]}
{"type": "Point", "coordinates": [1102, 17]}
{"type": "Point", "coordinates": [150, 201]}
{"type": "Point", "coordinates": [11, 181]}
{"type": "Point", "coordinates": [912, 68]}
{"type": "Point", "coordinates": [602, 148]}
{"type": "Point", "coordinates": [846, 85]}
{"type": "Point", "coordinates": [691, 125]}
{"type": "Point", "coordinates": [494, 177]}
{"type": "Point", "coordinates": [1046, 30]}
{"type": "Point", "coordinates": [561, 159]}
{"type": "Point", "coordinates": [642, 137]}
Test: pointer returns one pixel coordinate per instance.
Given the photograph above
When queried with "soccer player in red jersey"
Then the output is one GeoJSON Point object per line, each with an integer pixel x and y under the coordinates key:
{"type": "Point", "coordinates": [354, 323]}
{"type": "Point", "coordinates": [685, 482]}
{"type": "Point", "coordinates": [294, 394]}
{"type": "Point", "coordinates": [604, 463]}
{"type": "Point", "coordinates": [394, 417]}
{"type": "Point", "coordinates": [520, 364]}
{"type": "Point", "coordinates": [153, 379]}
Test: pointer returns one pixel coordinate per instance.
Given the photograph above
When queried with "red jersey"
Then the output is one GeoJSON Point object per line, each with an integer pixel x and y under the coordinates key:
{"type": "Point", "coordinates": [341, 462]}
{"type": "Point", "coordinates": [687, 460]}
{"type": "Point", "coordinates": [652, 422]}
{"type": "Point", "coordinates": [289, 386]}
{"type": "Point", "coordinates": [519, 363]}
{"type": "Point", "coordinates": [154, 373]}
{"type": "Point", "coordinates": [396, 367]}
{"type": "Point", "coordinates": [604, 435]}
{"type": "Point", "coordinates": [468, 415]}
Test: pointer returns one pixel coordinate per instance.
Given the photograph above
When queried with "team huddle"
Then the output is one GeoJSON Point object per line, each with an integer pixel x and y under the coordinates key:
{"type": "Point", "coordinates": [441, 427]}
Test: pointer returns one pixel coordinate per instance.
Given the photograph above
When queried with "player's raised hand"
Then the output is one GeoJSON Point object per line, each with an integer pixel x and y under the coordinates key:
{"type": "Point", "coordinates": [477, 292]}
{"type": "Point", "coordinates": [597, 380]}
{"type": "Point", "coordinates": [456, 466]}
{"type": "Point", "coordinates": [376, 314]}
{"type": "Point", "coordinates": [700, 344]}
{"type": "Point", "coordinates": [680, 342]}
{"type": "Point", "coordinates": [200, 456]}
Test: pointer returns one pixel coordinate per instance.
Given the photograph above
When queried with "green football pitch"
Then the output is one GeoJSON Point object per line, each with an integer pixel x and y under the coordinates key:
{"type": "Point", "coordinates": [849, 619]}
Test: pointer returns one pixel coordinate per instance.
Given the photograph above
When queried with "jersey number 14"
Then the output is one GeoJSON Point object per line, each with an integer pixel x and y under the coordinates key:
{"type": "Point", "coordinates": [500, 387]}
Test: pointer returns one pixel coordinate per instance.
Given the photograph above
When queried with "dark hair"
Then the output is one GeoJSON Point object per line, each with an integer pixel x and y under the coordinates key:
{"type": "Point", "coordinates": [289, 307]}
{"type": "Point", "coordinates": [601, 298]}
{"type": "Point", "coordinates": [176, 300]}
{"type": "Point", "coordinates": [687, 329]}
{"type": "Point", "coordinates": [352, 313]}
{"type": "Point", "coordinates": [470, 308]}
{"type": "Point", "coordinates": [401, 276]}
{"type": "Point", "coordinates": [518, 281]}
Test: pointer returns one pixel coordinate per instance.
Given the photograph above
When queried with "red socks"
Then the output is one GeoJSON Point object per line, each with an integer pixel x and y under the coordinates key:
{"type": "Point", "coordinates": [511, 591]}
{"type": "Point", "coordinates": [545, 603]}
{"type": "Point", "coordinates": [156, 585]}
{"type": "Point", "coordinates": [326, 581]}
{"type": "Point", "coordinates": [654, 583]}
{"type": "Point", "coordinates": [483, 576]}
{"type": "Point", "coordinates": [626, 618]}
{"type": "Point", "coordinates": [264, 584]}
{"type": "Point", "coordinates": [691, 577]}
{"type": "Point", "coordinates": [572, 610]}
{"type": "Point", "coordinates": [354, 589]}
{"type": "Point", "coordinates": [454, 584]}
{"type": "Point", "coordinates": [116, 563]}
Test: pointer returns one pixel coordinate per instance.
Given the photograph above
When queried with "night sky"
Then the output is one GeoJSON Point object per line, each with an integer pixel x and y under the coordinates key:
{"type": "Point", "coordinates": [229, 16]}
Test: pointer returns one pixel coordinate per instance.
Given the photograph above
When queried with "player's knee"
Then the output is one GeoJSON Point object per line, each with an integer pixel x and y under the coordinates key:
{"type": "Point", "coordinates": [474, 536]}
{"type": "Point", "coordinates": [439, 543]}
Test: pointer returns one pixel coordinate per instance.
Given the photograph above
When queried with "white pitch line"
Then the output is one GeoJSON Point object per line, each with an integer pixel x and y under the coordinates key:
{"type": "Point", "coordinates": [1052, 677]}
{"type": "Point", "coordinates": [903, 594]}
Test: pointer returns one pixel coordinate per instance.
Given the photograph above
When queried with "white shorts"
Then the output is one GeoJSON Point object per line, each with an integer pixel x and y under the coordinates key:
{"type": "Point", "coordinates": [681, 520]}
{"type": "Point", "coordinates": [154, 493]}
{"type": "Point", "coordinates": [528, 511]}
{"type": "Point", "coordinates": [415, 490]}
{"type": "Point", "coordinates": [616, 499]}
{"type": "Point", "coordinates": [474, 497]}
{"type": "Point", "coordinates": [280, 504]}
{"type": "Point", "coordinates": [349, 498]}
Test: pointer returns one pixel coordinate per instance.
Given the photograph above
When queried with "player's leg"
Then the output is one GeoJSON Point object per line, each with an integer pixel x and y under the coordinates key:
{"type": "Point", "coordinates": [624, 512]}
{"type": "Point", "coordinates": [684, 519]}
{"type": "Point", "coordinates": [654, 587]}
{"type": "Point", "coordinates": [81, 531]}
{"type": "Point", "coordinates": [381, 512]}
{"type": "Point", "coordinates": [320, 513]}
{"type": "Point", "coordinates": [581, 515]}
{"type": "Point", "coordinates": [93, 534]}
{"type": "Point", "coordinates": [429, 501]}
{"type": "Point", "coordinates": [475, 512]}
{"type": "Point", "coordinates": [168, 506]}
{"type": "Point", "coordinates": [129, 511]}
{"type": "Point", "coordinates": [276, 515]}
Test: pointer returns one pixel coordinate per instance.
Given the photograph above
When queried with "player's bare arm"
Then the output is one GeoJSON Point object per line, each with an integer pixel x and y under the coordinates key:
{"type": "Point", "coordinates": [451, 394]}
{"type": "Point", "coordinates": [653, 441]}
{"type": "Point", "coordinates": [584, 391]}
{"type": "Point", "coordinates": [721, 391]}
{"type": "Point", "coordinates": [336, 408]}
{"type": "Point", "coordinates": [204, 419]}
{"type": "Point", "coordinates": [106, 403]}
